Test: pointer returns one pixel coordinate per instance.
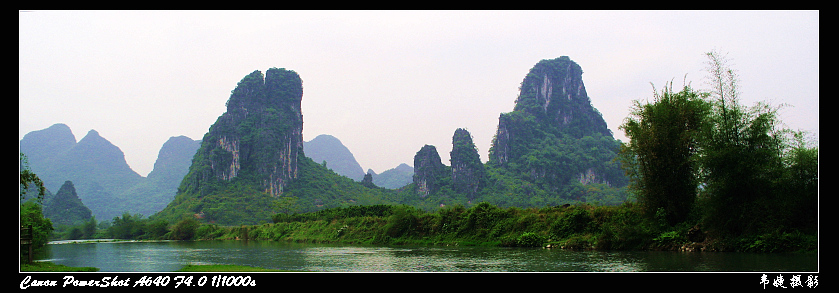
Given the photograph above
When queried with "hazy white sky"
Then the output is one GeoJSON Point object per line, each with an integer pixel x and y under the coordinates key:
{"type": "Point", "coordinates": [387, 82]}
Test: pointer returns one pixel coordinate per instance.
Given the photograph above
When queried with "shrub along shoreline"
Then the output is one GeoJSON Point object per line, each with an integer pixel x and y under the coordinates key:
{"type": "Point", "coordinates": [580, 227]}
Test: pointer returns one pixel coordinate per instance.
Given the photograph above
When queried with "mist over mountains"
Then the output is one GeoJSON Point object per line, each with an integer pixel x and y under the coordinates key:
{"type": "Point", "coordinates": [98, 170]}
{"type": "Point", "coordinates": [108, 186]}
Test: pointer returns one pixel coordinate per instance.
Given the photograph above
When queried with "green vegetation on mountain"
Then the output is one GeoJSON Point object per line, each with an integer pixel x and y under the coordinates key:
{"type": "Point", "coordinates": [252, 158]}
{"type": "Point", "coordinates": [553, 149]}
{"type": "Point", "coordinates": [66, 208]}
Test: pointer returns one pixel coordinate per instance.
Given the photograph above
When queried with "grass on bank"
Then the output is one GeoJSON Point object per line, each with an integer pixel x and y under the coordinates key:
{"type": "Point", "coordinates": [45, 266]}
{"type": "Point", "coordinates": [582, 227]}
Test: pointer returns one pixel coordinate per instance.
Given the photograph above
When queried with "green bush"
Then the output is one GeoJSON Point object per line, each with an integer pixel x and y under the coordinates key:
{"type": "Point", "coordinates": [401, 222]}
{"type": "Point", "coordinates": [579, 242]}
{"type": "Point", "coordinates": [208, 232]}
{"type": "Point", "coordinates": [576, 220]}
{"type": "Point", "coordinates": [778, 242]}
{"type": "Point", "coordinates": [530, 239]}
{"type": "Point", "coordinates": [185, 229]}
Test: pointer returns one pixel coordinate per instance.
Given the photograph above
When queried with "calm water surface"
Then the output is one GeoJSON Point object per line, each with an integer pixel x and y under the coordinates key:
{"type": "Point", "coordinates": [167, 256]}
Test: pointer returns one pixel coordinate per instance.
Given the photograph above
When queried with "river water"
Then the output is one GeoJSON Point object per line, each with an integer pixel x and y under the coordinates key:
{"type": "Point", "coordinates": [168, 256]}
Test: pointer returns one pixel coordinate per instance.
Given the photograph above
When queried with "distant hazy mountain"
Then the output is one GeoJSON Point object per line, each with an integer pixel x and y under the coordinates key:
{"type": "Point", "coordinates": [47, 144]}
{"type": "Point", "coordinates": [338, 158]}
{"type": "Point", "coordinates": [96, 167]}
{"type": "Point", "coordinates": [101, 177]}
{"type": "Point", "coordinates": [394, 178]}
{"type": "Point", "coordinates": [159, 188]}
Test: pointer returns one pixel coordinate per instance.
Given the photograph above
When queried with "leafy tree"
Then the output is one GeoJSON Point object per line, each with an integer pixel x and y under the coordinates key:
{"type": "Point", "coordinates": [743, 162]}
{"type": "Point", "coordinates": [662, 151]}
{"type": "Point", "coordinates": [156, 229]}
{"type": "Point", "coordinates": [185, 229]}
{"type": "Point", "coordinates": [89, 228]}
{"type": "Point", "coordinates": [798, 198]}
{"type": "Point", "coordinates": [286, 204]}
{"type": "Point", "coordinates": [31, 212]}
{"type": "Point", "coordinates": [127, 227]}
{"type": "Point", "coordinates": [28, 178]}
{"type": "Point", "coordinates": [752, 176]}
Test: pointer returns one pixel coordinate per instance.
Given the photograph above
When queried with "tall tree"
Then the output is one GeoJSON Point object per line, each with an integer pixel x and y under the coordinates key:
{"type": "Point", "coordinates": [742, 156]}
{"type": "Point", "coordinates": [662, 151]}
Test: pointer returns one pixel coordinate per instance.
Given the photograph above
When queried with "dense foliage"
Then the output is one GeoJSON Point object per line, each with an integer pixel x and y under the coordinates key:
{"type": "Point", "coordinates": [663, 150]}
{"type": "Point", "coordinates": [704, 159]}
{"type": "Point", "coordinates": [31, 211]}
{"type": "Point", "coordinates": [758, 177]}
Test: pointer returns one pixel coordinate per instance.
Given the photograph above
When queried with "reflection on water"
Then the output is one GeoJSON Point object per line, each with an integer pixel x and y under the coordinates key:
{"type": "Point", "coordinates": [167, 256]}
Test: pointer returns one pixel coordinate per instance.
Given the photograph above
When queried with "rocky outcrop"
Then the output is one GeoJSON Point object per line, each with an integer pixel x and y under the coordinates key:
{"type": "Point", "coordinates": [428, 170]}
{"type": "Point", "coordinates": [468, 174]}
{"type": "Point", "coordinates": [260, 136]}
{"type": "Point", "coordinates": [553, 91]}
{"type": "Point", "coordinates": [368, 180]}
{"type": "Point", "coordinates": [554, 135]}
{"type": "Point", "coordinates": [552, 100]}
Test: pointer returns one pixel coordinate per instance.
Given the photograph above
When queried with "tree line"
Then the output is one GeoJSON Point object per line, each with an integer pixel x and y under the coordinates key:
{"type": "Point", "coordinates": [703, 157]}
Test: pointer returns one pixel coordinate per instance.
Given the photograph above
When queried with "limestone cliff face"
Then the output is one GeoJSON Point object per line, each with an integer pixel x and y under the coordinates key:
{"type": "Point", "coordinates": [428, 170]}
{"type": "Point", "coordinates": [259, 137]}
{"type": "Point", "coordinates": [468, 172]}
{"type": "Point", "coordinates": [554, 134]}
{"type": "Point", "coordinates": [553, 99]}
{"type": "Point", "coordinates": [553, 91]}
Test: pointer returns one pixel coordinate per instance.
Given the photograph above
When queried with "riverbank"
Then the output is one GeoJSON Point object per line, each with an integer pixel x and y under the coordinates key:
{"type": "Point", "coordinates": [225, 268]}
{"type": "Point", "coordinates": [45, 266]}
{"type": "Point", "coordinates": [584, 227]}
